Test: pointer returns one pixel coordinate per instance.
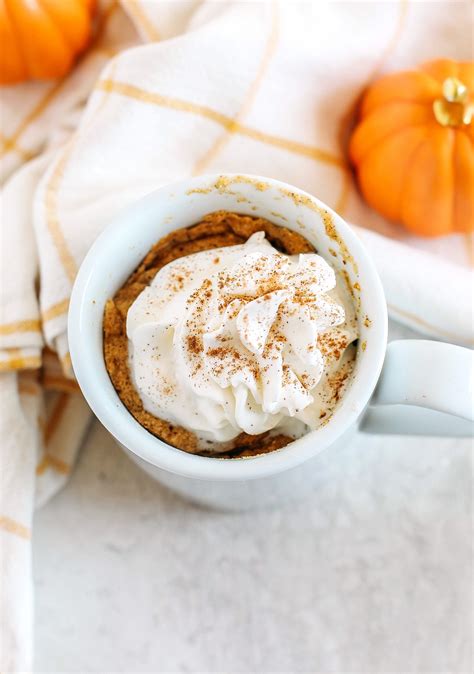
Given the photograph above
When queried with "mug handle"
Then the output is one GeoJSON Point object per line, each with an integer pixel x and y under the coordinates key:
{"type": "Point", "coordinates": [425, 389]}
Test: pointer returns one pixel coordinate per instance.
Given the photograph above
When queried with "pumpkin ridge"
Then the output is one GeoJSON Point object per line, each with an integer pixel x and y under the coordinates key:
{"type": "Point", "coordinates": [381, 184]}
{"type": "Point", "coordinates": [359, 149]}
{"type": "Point", "coordinates": [412, 101]}
{"type": "Point", "coordinates": [78, 15]}
{"type": "Point", "coordinates": [57, 28]}
{"type": "Point", "coordinates": [30, 20]}
{"type": "Point", "coordinates": [17, 37]}
{"type": "Point", "coordinates": [423, 90]}
{"type": "Point", "coordinates": [389, 136]}
{"type": "Point", "coordinates": [452, 137]}
{"type": "Point", "coordinates": [457, 222]}
{"type": "Point", "coordinates": [426, 201]}
{"type": "Point", "coordinates": [411, 161]}
{"type": "Point", "coordinates": [466, 133]}
{"type": "Point", "coordinates": [395, 101]}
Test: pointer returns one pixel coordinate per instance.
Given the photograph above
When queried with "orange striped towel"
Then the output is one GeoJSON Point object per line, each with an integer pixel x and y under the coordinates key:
{"type": "Point", "coordinates": [172, 89]}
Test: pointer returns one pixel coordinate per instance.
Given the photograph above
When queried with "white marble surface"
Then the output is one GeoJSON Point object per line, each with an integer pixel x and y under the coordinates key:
{"type": "Point", "coordinates": [372, 573]}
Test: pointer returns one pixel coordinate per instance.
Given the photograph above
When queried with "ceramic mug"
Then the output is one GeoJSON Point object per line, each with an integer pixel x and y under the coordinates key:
{"type": "Point", "coordinates": [406, 395]}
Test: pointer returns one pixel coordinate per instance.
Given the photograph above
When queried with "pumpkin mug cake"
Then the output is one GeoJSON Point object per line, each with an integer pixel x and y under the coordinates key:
{"type": "Point", "coordinates": [232, 338]}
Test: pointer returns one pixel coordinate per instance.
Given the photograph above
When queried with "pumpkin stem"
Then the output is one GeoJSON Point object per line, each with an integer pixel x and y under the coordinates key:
{"type": "Point", "coordinates": [454, 109]}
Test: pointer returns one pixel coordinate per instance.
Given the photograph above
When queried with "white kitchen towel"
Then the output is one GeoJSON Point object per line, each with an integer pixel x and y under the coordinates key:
{"type": "Point", "coordinates": [175, 89]}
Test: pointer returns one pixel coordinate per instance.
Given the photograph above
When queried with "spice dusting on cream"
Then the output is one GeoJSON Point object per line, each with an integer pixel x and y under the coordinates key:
{"type": "Point", "coordinates": [242, 339]}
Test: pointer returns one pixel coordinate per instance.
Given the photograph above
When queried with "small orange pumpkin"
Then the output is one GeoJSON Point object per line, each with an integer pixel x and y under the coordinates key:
{"type": "Point", "coordinates": [40, 38]}
{"type": "Point", "coordinates": [413, 148]}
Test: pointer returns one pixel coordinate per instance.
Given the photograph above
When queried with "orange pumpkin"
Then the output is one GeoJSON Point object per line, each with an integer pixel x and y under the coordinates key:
{"type": "Point", "coordinates": [40, 38]}
{"type": "Point", "coordinates": [413, 148]}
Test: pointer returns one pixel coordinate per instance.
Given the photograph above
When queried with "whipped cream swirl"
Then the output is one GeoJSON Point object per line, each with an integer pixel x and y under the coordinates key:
{"type": "Point", "coordinates": [226, 340]}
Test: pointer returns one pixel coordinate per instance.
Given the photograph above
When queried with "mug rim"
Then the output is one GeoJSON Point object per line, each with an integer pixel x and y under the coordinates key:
{"type": "Point", "coordinates": [128, 432]}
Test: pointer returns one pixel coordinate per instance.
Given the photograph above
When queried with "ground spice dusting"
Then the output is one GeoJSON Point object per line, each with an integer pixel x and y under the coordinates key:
{"type": "Point", "coordinates": [332, 346]}
{"type": "Point", "coordinates": [216, 230]}
{"type": "Point", "coordinates": [194, 344]}
{"type": "Point", "coordinates": [337, 382]}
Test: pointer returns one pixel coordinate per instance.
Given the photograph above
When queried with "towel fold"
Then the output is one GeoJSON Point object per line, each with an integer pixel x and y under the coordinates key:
{"type": "Point", "coordinates": [424, 291]}
{"type": "Point", "coordinates": [169, 90]}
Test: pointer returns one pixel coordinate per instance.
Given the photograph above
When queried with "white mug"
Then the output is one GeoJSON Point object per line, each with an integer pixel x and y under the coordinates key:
{"type": "Point", "coordinates": [407, 395]}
